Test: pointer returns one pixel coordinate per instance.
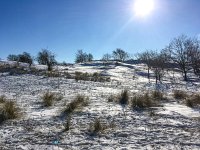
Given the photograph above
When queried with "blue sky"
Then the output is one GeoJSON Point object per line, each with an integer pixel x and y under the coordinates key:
{"type": "Point", "coordinates": [96, 26]}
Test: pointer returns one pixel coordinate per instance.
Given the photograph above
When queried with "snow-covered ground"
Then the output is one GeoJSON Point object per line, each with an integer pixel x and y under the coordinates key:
{"type": "Point", "coordinates": [173, 126]}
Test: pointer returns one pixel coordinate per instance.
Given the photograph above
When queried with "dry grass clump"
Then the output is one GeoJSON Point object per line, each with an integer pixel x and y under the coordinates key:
{"type": "Point", "coordinates": [67, 75]}
{"type": "Point", "coordinates": [157, 95]}
{"type": "Point", "coordinates": [179, 94]}
{"type": "Point", "coordinates": [67, 123]}
{"type": "Point", "coordinates": [111, 98]}
{"type": "Point", "coordinates": [96, 77]}
{"type": "Point", "coordinates": [143, 101]}
{"type": "Point", "coordinates": [193, 101]}
{"type": "Point", "coordinates": [81, 76]}
{"type": "Point", "coordinates": [79, 102]}
{"type": "Point", "coordinates": [52, 74]}
{"type": "Point", "coordinates": [123, 98]}
{"type": "Point", "coordinates": [97, 127]}
{"type": "Point", "coordinates": [49, 97]}
{"type": "Point", "coordinates": [9, 110]}
{"type": "Point", "coordinates": [2, 98]}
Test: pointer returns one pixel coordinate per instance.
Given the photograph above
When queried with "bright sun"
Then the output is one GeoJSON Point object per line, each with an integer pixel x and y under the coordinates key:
{"type": "Point", "coordinates": [142, 8]}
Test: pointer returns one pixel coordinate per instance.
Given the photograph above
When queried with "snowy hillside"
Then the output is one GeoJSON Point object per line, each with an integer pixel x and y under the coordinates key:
{"type": "Point", "coordinates": [170, 125]}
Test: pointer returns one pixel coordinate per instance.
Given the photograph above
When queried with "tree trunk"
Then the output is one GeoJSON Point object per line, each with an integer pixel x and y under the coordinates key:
{"type": "Point", "coordinates": [148, 74]}
{"type": "Point", "coordinates": [185, 76]}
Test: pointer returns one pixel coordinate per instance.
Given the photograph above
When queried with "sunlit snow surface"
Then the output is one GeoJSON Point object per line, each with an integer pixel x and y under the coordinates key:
{"type": "Point", "coordinates": [175, 126]}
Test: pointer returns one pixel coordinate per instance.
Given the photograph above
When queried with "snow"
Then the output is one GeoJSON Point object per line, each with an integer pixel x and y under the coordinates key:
{"type": "Point", "coordinates": [181, 109]}
{"type": "Point", "coordinates": [174, 126]}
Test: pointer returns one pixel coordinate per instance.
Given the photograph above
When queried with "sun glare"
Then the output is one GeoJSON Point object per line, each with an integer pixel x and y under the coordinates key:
{"type": "Point", "coordinates": [143, 8]}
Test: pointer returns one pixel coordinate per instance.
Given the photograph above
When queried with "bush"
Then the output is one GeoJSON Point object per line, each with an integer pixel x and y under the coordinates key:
{"type": "Point", "coordinates": [179, 94]}
{"type": "Point", "coordinates": [79, 102]}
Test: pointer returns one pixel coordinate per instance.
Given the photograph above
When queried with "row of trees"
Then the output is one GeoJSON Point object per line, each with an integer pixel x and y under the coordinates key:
{"type": "Point", "coordinates": [83, 57]}
{"type": "Point", "coordinates": [24, 57]}
{"type": "Point", "coordinates": [183, 52]}
{"type": "Point", "coordinates": [44, 57]}
{"type": "Point", "coordinates": [118, 55]}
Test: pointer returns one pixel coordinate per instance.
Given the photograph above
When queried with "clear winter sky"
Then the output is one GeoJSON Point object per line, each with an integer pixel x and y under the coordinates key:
{"type": "Point", "coordinates": [96, 26]}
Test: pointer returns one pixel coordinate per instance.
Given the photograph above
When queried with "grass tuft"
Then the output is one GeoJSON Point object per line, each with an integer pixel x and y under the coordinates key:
{"type": "Point", "coordinates": [123, 98]}
{"type": "Point", "coordinates": [157, 95]}
{"type": "Point", "coordinates": [9, 111]}
{"type": "Point", "coordinates": [2, 99]}
{"type": "Point", "coordinates": [67, 124]}
{"type": "Point", "coordinates": [143, 101]}
{"type": "Point", "coordinates": [79, 102]}
{"type": "Point", "coordinates": [49, 97]}
{"type": "Point", "coordinates": [193, 101]}
{"type": "Point", "coordinates": [96, 77]}
{"type": "Point", "coordinates": [96, 127]}
{"type": "Point", "coordinates": [111, 98]}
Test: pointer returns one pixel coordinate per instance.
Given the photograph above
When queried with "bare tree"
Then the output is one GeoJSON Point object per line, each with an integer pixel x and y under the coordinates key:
{"type": "Point", "coordinates": [147, 57]}
{"type": "Point", "coordinates": [159, 62]}
{"type": "Point", "coordinates": [120, 55]}
{"type": "Point", "coordinates": [194, 56]}
{"type": "Point", "coordinates": [26, 58]}
{"type": "Point", "coordinates": [89, 57]}
{"type": "Point", "coordinates": [46, 57]}
{"type": "Point", "coordinates": [106, 58]}
{"type": "Point", "coordinates": [179, 52]}
{"type": "Point", "coordinates": [83, 57]}
{"type": "Point", "coordinates": [13, 57]}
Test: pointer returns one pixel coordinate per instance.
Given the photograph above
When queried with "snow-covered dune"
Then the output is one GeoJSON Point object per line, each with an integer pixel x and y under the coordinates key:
{"type": "Point", "coordinates": [172, 125]}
